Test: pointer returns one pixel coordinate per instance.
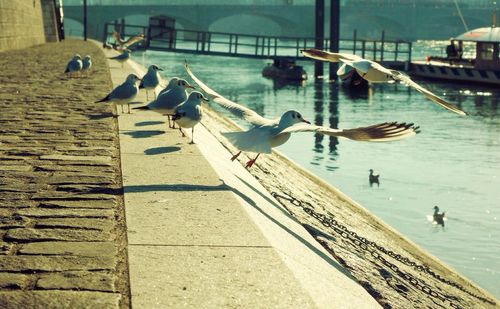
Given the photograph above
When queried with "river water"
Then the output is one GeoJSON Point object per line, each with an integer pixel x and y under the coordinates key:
{"type": "Point", "coordinates": [453, 163]}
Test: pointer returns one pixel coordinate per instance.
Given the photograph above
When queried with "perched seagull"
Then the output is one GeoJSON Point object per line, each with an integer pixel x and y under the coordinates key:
{"type": "Point", "coordinates": [171, 83]}
{"type": "Point", "coordinates": [373, 178]}
{"type": "Point", "coordinates": [376, 73]}
{"type": "Point", "coordinates": [188, 114]}
{"type": "Point", "coordinates": [124, 93]}
{"type": "Point", "coordinates": [74, 65]}
{"type": "Point", "coordinates": [87, 63]}
{"type": "Point", "coordinates": [268, 133]}
{"type": "Point", "coordinates": [123, 57]}
{"type": "Point", "coordinates": [168, 101]}
{"type": "Point", "coordinates": [150, 80]}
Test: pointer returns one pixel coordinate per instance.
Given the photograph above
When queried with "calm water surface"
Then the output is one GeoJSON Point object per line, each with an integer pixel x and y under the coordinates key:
{"type": "Point", "coordinates": [454, 163]}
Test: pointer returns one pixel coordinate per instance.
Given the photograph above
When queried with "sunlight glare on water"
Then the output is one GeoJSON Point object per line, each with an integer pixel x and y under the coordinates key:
{"type": "Point", "coordinates": [454, 163]}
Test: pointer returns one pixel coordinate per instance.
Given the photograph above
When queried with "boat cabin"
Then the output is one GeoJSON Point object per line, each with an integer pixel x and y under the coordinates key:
{"type": "Point", "coordinates": [487, 49]}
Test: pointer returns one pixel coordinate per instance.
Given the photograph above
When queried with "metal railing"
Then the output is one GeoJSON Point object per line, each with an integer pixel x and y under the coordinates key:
{"type": "Point", "coordinates": [256, 46]}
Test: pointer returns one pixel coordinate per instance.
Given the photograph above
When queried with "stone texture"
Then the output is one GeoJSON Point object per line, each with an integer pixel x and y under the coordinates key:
{"type": "Point", "coordinates": [65, 213]}
{"type": "Point", "coordinates": [55, 263]}
{"type": "Point", "coordinates": [31, 234]}
{"type": "Point", "coordinates": [58, 299]}
{"type": "Point", "coordinates": [77, 280]}
{"type": "Point", "coordinates": [13, 280]}
{"type": "Point", "coordinates": [69, 248]}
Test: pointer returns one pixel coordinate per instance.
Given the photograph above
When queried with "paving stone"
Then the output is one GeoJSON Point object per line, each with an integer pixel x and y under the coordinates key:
{"type": "Point", "coordinates": [69, 248]}
{"type": "Point", "coordinates": [77, 280]}
{"type": "Point", "coordinates": [31, 234]}
{"type": "Point", "coordinates": [76, 158]}
{"type": "Point", "coordinates": [13, 280]}
{"type": "Point", "coordinates": [23, 263]}
{"type": "Point", "coordinates": [13, 222]}
{"type": "Point", "coordinates": [58, 299]}
{"type": "Point", "coordinates": [23, 168]}
{"type": "Point", "coordinates": [64, 213]}
{"type": "Point", "coordinates": [77, 204]}
{"type": "Point", "coordinates": [87, 223]}
{"type": "Point", "coordinates": [49, 195]}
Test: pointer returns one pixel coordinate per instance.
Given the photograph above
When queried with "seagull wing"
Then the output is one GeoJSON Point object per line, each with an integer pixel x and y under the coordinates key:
{"type": "Point", "coordinates": [429, 95]}
{"type": "Point", "coordinates": [236, 109]}
{"type": "Point", "coordinates": [117, 37]}
{"type": "Point", "coordinates": [382, 132]}
{"type": "Point", "coordinates": [135, 39]}
{"type": "Point", "coordinates": [324, 55]}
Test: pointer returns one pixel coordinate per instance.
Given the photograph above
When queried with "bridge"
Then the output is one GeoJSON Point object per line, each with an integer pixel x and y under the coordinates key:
{"type": "Point", "coordinates": [401, 20]}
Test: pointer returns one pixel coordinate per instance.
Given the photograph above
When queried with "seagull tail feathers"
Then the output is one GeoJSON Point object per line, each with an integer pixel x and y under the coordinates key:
{"type": "Point", "coordinates": [145, 107]}
{"type": "Point", "coordinates": [103, 99]}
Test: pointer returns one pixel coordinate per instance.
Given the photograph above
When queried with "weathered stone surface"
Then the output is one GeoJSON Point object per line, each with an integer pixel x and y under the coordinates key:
{"type": "Point", "coordinates": [80, 280]}
{"type": "Point", "coordinates": [69, 248]}
{"type": "Point", "coordinates": [85, 223]}
{"type": "Point", "coordinates": [65, 213]}
{"type": "Point", "coordinates": [30, 234]}
{"type": "Point", "coordinates": [18, 263]}
{"type": "Point", "coordinates": [58, 299]}
{"type": "Point", "coordinates": [77, 204]}
{"type": "Point", "coordinates": [67, 196]}
{"type": "Point", "coordinates": [13, 280]}
{"type": "Point", "coordinates": [13, 222]}
{"type": "Point", "coordinates": [5, 247]}
{"type": "Point", "coordinates": [76, 158]}
{"type": "Point", "coordinates": [23, 168]}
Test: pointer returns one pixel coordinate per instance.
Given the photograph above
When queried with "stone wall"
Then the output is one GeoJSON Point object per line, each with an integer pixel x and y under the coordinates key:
{"type": "Point", "coordinates": [22, 23]}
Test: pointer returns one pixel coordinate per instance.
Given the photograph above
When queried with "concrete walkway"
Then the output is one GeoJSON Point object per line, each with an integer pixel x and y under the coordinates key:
{"type": "Point", "coordinates": [203, 232]}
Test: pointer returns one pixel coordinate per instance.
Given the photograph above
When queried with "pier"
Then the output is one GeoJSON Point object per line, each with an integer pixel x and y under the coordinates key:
{"type": "Point", "coordinates": [392, 53]}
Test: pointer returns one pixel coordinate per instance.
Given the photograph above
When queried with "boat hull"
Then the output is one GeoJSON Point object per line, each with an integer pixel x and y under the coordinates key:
{"type": "Point", "coordinates": [455, 73]}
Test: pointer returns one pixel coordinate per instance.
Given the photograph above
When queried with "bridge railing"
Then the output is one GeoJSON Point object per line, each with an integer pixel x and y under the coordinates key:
{"type": "Point", "coordinates": [256, 46]}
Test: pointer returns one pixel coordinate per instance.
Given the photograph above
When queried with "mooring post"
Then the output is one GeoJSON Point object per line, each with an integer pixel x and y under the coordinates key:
{"type": "Point", "coordinates": [85, 20]}
{"type": "Point", "coordinates": [334, 35]}
{"type": "Point", "coordinates": [319, 35]}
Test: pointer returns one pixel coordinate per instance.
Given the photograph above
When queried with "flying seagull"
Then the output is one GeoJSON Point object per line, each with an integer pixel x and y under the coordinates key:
{"type": "Point", "coordinates": [268, 133]}
{"type": "Point", "coordinates": [376, 73]}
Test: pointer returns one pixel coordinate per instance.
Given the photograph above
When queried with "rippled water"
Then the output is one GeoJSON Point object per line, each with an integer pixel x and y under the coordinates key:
{"type": "Point", "coordinates": [454, 163]}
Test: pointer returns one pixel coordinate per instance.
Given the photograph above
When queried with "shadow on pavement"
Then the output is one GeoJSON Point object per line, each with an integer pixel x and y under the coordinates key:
{"type": "Point", "coordinates": [143, 134]}
{"type": "Point", "coordinates": [148, 123]}
{"type": "Point", "coordinates": [160, 150]}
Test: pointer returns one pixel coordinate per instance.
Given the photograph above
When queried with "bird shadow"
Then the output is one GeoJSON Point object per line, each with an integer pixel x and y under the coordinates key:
{"type": "Point", "coordinates": [161, 150]}
{"type": "Point", "coordinates": [148, 123]}
{"type": "Point", "coordinates": [100, 116]}
{"type": "Point", "coordinates": [143, 134]}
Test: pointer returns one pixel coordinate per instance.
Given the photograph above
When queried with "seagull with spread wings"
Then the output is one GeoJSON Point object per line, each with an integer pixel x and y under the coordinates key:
{"type": "Point", "coordinates": [376, 73]}
{"type": "Point", "coordinates": [268, 133]}
{"type": "Point", "coordinates": [129, 42]}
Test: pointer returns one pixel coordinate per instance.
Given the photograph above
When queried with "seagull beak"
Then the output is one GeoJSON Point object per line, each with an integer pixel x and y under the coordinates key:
{"type": "Point", "coordinates": [204, 99]}
{"type": "Point", "coordinates": [189, 86]}
{"type": "Point", "coordinates": [308, 122]}
{"type": "Point", "coordinates": [160, 69]}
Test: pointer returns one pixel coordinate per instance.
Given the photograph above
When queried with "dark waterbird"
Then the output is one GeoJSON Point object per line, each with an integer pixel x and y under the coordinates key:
{"type": "Point", "coordinates": [438, 218]}
{"type": "Point", "coordinates": [373, 178]}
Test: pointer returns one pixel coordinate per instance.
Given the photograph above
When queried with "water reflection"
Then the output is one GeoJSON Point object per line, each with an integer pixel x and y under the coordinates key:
{"type": "Point", "coordinates": [333, 120]}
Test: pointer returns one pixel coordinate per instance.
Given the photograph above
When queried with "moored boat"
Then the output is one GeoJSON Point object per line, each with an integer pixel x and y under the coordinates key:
{"type": "Point", "coordinates": [482, 68]}
{"type": "Point", "coordinates": [284, 68]}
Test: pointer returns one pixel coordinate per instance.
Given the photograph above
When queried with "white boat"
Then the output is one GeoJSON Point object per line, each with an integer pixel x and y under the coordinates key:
{"type": "Point", "coordinates": [484, 68]}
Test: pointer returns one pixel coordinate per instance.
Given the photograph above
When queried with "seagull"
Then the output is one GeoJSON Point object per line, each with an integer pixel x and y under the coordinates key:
{"type": "Point", "coordinates": [175, 94]}
{"type": "Point", "coordinates": [266, 134]}
{"type": "Point", "coordinates": [87, 63]}
{"type": "Point", "coordinates": [171, 83]}
{"type": "Point", "coordinates": [373, 178]}
{"type": "Point", "coordinates": [150, 80]}
{"type": "Point", "coordinates": [129, 42]}
{"type": "Point", "coordinates": [123, 57]}
{"type": "Point", "coordinates": [74, 65]}
{"type": "Point", "coordinates": [124, 93]}
{"type": "Point", "coordinates": [376, 73]}
{"type": "Point", "coordinates": [188, 114]}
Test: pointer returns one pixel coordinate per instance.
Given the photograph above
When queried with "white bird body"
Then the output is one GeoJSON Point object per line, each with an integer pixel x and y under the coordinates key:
{"type": "Point", "coordinates": [268, 133]}
{"type": "Point", "coordinates": [124, 93]}
{"type": "Point", "coordinates": [376, 73]}
{"type": "Point", "coordinates": [151, 79]}
{"type": "Point", "coordinates": [189, 113]}
{"type": "Point", "coordinates": [86, 63]}
{"type": "Point", "coordinates": [74, 65]}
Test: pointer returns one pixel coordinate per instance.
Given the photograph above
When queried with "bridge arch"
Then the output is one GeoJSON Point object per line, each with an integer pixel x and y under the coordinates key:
{"type": "Point", "coordinates": [265, 24]}
{"type": "Point", "coordinates": [365, 25]}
